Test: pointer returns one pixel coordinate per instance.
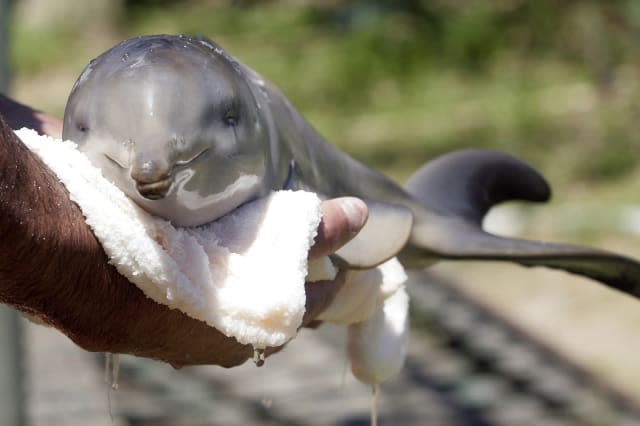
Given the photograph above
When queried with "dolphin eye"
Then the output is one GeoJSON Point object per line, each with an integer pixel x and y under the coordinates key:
{"type": "Point", "coordinates": [231, 116]}
{"type": "Point", "coordinates": [82, 127]}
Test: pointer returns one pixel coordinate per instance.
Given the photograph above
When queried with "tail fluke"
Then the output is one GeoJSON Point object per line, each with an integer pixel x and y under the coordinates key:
{"type": "Point", "coordinates": [459, 188]}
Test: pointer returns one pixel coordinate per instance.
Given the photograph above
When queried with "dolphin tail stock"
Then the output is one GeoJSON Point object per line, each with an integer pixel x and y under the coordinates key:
{"type": "Point", "coordinates": [459, 188]}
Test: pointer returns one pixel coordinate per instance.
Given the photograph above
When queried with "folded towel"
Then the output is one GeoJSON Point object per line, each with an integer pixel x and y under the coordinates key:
{"type": "Point", "coordinates": [241, 274]}
{"type": "Point", "coordinates": [364, 291]}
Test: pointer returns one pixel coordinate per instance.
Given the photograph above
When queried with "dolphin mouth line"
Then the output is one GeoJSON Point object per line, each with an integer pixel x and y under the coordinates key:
{"type": "Point", "coordinates": [154, 190]}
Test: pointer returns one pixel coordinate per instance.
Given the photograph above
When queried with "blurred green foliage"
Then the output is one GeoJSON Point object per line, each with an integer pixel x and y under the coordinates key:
{"type": "Point", "coordinates": [397, 82]}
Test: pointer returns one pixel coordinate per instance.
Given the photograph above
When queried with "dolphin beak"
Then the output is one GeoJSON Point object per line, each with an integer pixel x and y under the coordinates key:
{"type": "Point", "coordinates": [154, 190]}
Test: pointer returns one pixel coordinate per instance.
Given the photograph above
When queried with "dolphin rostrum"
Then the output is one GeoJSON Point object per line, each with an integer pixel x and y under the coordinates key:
{"type": "Point", "coordinates": [190, 133]}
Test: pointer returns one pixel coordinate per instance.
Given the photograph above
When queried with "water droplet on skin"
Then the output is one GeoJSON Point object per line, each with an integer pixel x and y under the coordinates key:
{"type": "Point", "coordinates": [208, 45]}
{"type": "Point", "coordinates": [258, 357]}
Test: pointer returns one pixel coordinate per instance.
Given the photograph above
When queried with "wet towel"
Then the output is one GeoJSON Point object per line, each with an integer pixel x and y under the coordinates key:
{"type": "Point", "coordinates": [243, 274]}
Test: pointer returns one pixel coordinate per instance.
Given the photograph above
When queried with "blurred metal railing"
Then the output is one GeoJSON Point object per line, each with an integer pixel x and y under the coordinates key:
{"type": "Point", "coordinates": [12, 398]}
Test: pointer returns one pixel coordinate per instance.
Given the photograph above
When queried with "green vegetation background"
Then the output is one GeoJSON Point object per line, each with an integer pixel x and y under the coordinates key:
{"type": "Point", "coordinates": [395, 83]}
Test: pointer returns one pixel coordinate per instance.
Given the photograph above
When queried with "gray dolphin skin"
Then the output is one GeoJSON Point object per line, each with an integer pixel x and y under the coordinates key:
{"type": "Point", "coordinates": [190, 133]}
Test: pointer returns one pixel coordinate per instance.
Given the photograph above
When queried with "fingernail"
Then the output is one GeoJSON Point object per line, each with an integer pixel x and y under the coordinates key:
{"type": "Point", "coordinates": [356, 212]}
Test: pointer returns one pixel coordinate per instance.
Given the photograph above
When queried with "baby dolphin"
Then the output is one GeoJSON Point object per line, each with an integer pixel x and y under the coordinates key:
{"type": "Point", "coordinates": [172, 124]}
{"type": "Point", "coordinates": [190, 133]}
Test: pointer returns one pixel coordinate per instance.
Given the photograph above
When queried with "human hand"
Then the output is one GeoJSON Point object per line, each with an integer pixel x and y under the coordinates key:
{"type": "Point", "coordinates": [18, 116]}
{"type": "Point", "coordinates": [52, 267]}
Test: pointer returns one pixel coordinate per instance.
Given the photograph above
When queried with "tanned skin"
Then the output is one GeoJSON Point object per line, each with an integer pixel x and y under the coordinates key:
{"type": "Point", "coordinates": [53, 268]}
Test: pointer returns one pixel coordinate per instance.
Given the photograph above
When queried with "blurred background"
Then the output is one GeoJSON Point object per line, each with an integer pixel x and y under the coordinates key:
{"type": "Point", "coordinates": [395, 83]}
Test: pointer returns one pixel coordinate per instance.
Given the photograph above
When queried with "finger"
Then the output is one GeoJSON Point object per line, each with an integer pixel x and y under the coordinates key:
{"type": "Point", "coordinates": [342, 219]}
{"type": "Point", "coordinates": [320, 294]}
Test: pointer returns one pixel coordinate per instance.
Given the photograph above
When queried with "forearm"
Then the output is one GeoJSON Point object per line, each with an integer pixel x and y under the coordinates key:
{"type": "Point", "coordinates": [51, 266]}
{"type": "Point", "coordinates": [47, 254]}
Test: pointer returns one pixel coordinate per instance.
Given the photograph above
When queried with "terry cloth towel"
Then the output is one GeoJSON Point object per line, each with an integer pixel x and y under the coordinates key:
{"type": "Point", "coordinates": [243, 274]}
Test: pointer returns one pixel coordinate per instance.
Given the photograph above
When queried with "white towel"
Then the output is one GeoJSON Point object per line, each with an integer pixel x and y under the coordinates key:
{"type": "Point", "coordinates": [243, 274]}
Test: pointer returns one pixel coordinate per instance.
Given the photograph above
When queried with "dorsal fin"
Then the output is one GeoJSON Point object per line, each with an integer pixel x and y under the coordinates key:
{"type": "Point", "coordinates": [468, 183]}
{"type": "Point", "coordinates": [459, 188]}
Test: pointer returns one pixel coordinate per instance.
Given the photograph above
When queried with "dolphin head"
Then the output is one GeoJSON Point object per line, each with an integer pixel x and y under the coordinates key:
{"type": "Point", "coordinates": [174, 124]}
